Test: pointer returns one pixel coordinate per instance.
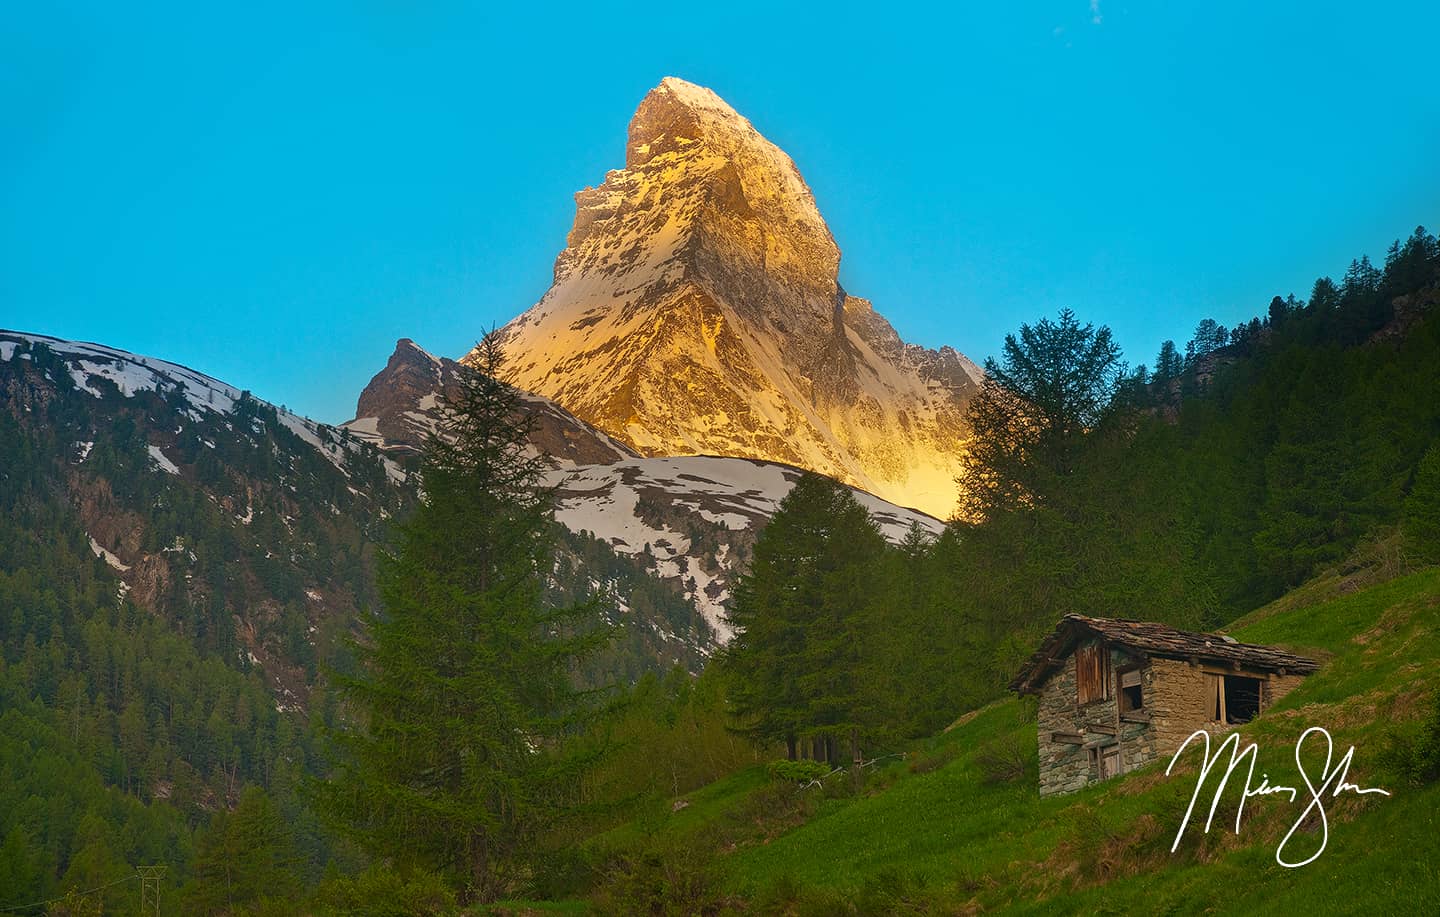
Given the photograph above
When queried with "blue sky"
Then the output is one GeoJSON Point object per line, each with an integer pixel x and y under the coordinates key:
{"type": "Point", "coordinates": [274, 193]}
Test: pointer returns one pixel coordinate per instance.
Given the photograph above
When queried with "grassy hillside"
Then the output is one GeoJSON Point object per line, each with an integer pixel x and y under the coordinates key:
{"type": "Point", "coordinates": [934, 834]}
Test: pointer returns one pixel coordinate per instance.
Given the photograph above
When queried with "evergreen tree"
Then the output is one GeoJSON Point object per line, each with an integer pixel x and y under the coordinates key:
{"type": "Point", "coordinates": [1168, 364]}
{"type": "Point", "coordinates": [1054, 382]}
{"type": "Point", "coordinates": [1209, 337]}
{"type": "Point", "coordinates": [1324, 296]}
{"type": "Point", "coordinates": [1414, 264]}
{"type": "Point", "coordinates": [1279, 311]}
{"type": "Point", "coordinates": [20, 868]}
{"type": "Point", "coordinates": [1362, 278]}
{"type": "Point", "coordinates": [919, 665]}
{"type": "Point", "coordinates": [800, 615]}
{"type": "Point", "coordinates": [1421, 519]}
{"type": "Point", "coordinates": [842, 635]}
{"type": "Point", "coordinates": [242, 858]}
{"type": "Point", "coordinates": [465, 689]}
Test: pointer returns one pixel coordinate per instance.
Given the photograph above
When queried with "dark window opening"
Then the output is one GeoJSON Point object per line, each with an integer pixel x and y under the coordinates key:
{"type": "Point", "coordinates": [1130, 699]}
{"type": "Point", "coordinates": [1242, 698]}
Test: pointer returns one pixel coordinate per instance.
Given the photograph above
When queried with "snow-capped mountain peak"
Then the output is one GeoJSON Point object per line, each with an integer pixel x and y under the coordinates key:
{"type": "Point", "coordinates": [696, 309]}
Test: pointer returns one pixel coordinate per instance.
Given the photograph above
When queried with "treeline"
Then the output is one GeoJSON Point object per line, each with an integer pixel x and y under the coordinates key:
{"type": "Point", "coordinates": [1279, 452]}
{"type": "Point", "coordinates": [136, 734]}
{"type": "Point", "coordinates": [1213, 485]}
{"type": "Point", "coordinates": [1188, 495]}
{"type": "Point", "coordinates": [655, 624]}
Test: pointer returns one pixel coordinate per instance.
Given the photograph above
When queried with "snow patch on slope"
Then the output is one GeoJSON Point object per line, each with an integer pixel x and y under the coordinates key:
{"type": "Point", "coordinates": [160, 460]}
{"type": "Point", "coordinates": [133, 373]}
{"type": "Point", "coordinates": [620, 503]}
{"type": "Point", "coordinates": [110, 558]}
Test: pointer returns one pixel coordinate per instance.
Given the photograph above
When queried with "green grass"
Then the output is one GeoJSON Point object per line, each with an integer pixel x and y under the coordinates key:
{"type": "Point", "coordinates": [522, 908]}
{"type": "Point", "coordinates": [957, 842]}
{"type": "Point", "coordinates": [706, 806]}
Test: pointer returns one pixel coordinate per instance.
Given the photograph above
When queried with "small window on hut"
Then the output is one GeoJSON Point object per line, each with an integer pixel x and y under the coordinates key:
{"type": "Point", "coordinates": [1242, 698]}
{"type": "Point", "coordinates": [1130, 695]}
{"type": "Point", "coordinates": [1092, 674]}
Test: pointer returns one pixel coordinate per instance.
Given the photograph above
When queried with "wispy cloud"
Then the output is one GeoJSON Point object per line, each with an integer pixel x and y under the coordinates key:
{"type": "Point", "coordinates": [1095, 15]}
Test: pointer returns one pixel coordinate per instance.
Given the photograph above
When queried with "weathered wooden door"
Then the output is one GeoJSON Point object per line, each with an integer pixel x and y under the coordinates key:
{"type": "Point", "coordinates": [1215, 698]}
{"type": "Point", "coordinates": [1110, 762]}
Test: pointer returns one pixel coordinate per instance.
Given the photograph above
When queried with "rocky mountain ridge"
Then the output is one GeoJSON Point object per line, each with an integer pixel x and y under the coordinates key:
{"type": "Point", "coordinates": [396, 411]}
{"type": "Point", "coordinates": [251, 530]}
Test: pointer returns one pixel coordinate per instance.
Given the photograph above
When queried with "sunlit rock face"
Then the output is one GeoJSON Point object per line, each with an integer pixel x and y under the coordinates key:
{"type": "Point", "coordinates": [696, 310]}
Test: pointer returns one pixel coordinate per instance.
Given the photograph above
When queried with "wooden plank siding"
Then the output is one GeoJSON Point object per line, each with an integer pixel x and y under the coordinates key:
{"type": "Point", "coordinates": [1092, 673]}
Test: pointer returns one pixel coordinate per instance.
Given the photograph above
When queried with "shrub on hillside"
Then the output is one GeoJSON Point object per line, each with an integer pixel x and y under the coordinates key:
{"type": "Point", "coordinates": [929, 761]}
{"type": "Point", "coordinates": [1008, 759]}
{"type": "Point", "coordinates": [1415, 754]}
{"type": "Point", "coordinates": [890, 891]}
{"type": "Point", "coordinates": [679, 881]}
{"type": "Point", "coordinates": [381, 892]}
{"type": "Point", "coordinates": [797, 771]}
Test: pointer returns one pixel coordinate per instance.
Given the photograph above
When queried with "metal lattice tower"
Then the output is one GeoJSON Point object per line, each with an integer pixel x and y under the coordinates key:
{"type": "Point", "coordinates": [150, 889]}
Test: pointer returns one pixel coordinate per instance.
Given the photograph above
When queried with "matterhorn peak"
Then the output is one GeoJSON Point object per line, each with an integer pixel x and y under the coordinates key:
{"type": "Point", "coordinates": [699, 99]}
{"type": "Point", "coordinates": [697, 309]}
{"type": "Point", "coordinates": [692, 94]}
{"type": "Point", "coordinates": [676, 116]}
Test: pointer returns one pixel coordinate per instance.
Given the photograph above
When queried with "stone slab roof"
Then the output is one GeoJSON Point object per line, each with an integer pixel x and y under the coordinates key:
{"type": "Point", "coordinates": [1150, 639]}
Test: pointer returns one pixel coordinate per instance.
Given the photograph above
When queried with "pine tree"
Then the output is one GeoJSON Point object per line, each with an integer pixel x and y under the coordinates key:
{"type": "Point", "coordinates": [20, 872]}
{"type": "Point", "coordinates": [1421, 519]}
{"type": "Point", "coordinates": [802, 622]}
{"type": "Point", "coordinates": [769, 614]}
{"type": "Point", "coordinates": [465, 690]}
{"type": "Point", "coordinates": [1324, 296]}
{"type": "Point", "coordinates": [1209, 337]}
{"type": "Point", "coordinates": [844, 706]}
{"type": "Point", "coordinates": [1168, 364]}
{"type": "Point", "coordinates": [1054, 383]}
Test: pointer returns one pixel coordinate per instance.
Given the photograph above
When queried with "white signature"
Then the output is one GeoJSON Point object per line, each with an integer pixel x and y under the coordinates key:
{"type": "Point", "coordinates": [1332, 781]}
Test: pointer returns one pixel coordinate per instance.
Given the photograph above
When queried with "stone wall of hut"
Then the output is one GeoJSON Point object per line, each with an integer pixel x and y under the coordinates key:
{"type": "Point", "coordinates": [1066, 766]}
{"type": "Point", "coordinates": [1175, 694]}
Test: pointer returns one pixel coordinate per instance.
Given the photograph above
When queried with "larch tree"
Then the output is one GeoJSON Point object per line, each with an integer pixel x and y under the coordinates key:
{"type": "Point", "coordinates": [465, 690]}
{"type": "Point", "coordinates": [1168, 364]}
{"type": "Point", "coordinates": [1209, 337]}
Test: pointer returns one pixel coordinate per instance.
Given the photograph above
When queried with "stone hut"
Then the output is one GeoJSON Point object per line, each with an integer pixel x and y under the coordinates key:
{"type": "Point", "coordinates": [1115, 695]}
